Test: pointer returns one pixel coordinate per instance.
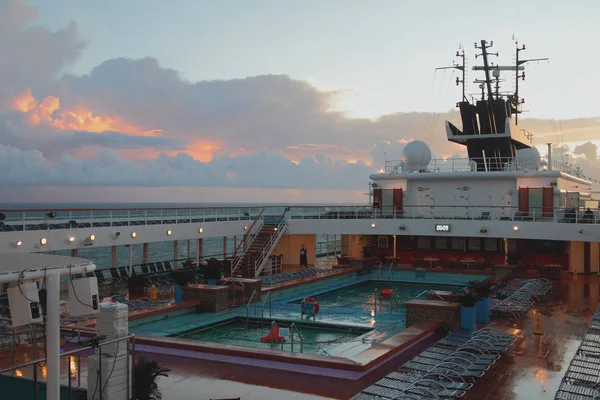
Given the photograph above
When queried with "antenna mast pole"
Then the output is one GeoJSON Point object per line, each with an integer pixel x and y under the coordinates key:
{"type": "Point", "coordinates": [486, 66]}
{"type": "Point", "coordinates": [522, 76]}
{"type": "Point", "coordinates": [462, 67]}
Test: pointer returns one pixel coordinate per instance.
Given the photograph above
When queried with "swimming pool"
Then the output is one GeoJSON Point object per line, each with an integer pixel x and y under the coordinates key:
{"type": "Point", "coordinates": [315, 339]}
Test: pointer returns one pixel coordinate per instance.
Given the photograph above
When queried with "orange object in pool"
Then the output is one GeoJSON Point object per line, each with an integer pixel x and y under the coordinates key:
{"type": "Point", "coordinates": [385, 293]}
{"type": "Point", "coordinates": [273, 336]}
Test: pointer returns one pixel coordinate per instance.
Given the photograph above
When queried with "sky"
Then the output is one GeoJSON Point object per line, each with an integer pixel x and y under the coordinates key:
{"type": "Point", "coordinates": [268, 100]}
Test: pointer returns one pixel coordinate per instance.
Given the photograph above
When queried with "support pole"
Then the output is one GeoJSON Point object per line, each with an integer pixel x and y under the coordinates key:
{"type": "Point", "coordinates": [113, 254]}
{"type": "Point", "coordinates": [224, 247]}
{"type": "Point", "coordinates": [145, 253]}
{"type": "Point", "coordinates": [175, 253]}
{"type": "Point", "coordinates": [394, 246]}
{"type": "Point", "coordinates": [53, 335]}
{"type": "Point", "coordinates": [130, 260]}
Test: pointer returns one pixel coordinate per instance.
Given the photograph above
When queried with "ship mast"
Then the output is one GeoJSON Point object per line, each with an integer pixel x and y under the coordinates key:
{"type": "Point", "coordinates": [461, 67]}
{"type": "Point", "coordinates": [515, 98]}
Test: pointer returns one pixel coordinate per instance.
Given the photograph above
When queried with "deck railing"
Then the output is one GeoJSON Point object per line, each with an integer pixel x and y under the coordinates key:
{"type": "Point", "coordinates": [36, 220]}
{"type": "Point", "coordinates": [482, 164]}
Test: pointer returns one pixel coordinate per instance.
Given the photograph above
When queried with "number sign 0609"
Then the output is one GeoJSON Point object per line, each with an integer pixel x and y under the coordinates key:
{"type": "Point", "coordinates": [442, 228]}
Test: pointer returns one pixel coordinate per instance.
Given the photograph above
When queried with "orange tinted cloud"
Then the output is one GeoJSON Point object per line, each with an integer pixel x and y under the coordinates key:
{"type": "Point", "coordinates": [79, 119]}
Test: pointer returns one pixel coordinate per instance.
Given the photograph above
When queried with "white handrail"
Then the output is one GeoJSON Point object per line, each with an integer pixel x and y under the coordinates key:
{"type": "Point", "coordinates": [247, 241]}
{"type": "Point", "coordinates": [259, 263]}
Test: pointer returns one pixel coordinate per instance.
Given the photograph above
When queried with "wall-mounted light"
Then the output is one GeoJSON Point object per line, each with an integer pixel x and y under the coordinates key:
{"type": "Point", "coordinates": [43, 241]}
{"type": "Point", "coordinates": [92, 237]}
{"type": "Point", "coordinates": [402, 227]}
{"type": "Point", "coordinates": [516, 228]}
{"type": "Point", "coordinates": [200, 230]}
{"type": "Point", "coordinates": [483, 230]}
{"type": "Point", "coordinates": [169, 232]}
{"type": "Point", "coordinates": [372, 225]}
{"type": "Point", "coordinates": [117, 234]}
{"type": "Point", "coordinates": [19, 243]}
{"type": "Point", "coordinates": [462, 188]}
{"type": "Point", "coordinates": [71, 239]}
{"type": "Point", "coordinates": [275, 229]}
{"type": "Point", "coordinates": [133, 235]}
{"type": "Point", "coordinates": [381, 171]}
{"type": "Point", "coordinates": [245, 227]}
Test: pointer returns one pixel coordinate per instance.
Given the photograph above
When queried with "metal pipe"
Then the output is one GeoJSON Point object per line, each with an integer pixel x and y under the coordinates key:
{"type": "Point", "coordinates": [549, 156]}
{"type": "Point", "coordinates": [53, 335]}
{"type": "Point", "coordinates": [99, 382]}
{"type": "Point", "coordinates": [43, 273]}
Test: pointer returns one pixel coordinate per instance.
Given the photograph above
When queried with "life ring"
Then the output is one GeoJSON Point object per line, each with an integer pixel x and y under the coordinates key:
{"type": "Point", "coordinates": [385, 293]}
{"type": "Point", "coordinates": [315, 302]}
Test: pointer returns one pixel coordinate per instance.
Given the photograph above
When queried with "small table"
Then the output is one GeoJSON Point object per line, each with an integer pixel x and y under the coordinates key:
{"type": "Point", "coordinates": [467, 262]}
{"type": "Point", "coordinates": [551, 271]}
{"type": "Point", "coordinates": [431, 260]}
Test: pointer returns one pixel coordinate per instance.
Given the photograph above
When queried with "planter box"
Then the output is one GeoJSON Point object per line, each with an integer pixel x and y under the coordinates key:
{"type": "Point", "coordinates": [467, 318]}
{"type": "Point", "coordinates": [482, 315]}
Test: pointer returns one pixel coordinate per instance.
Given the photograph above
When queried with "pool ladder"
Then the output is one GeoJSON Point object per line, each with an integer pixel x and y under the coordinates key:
{"type": "Point", "coordinates": [294, 328]}
{"type": "Point", "coordinates": [393, 301]}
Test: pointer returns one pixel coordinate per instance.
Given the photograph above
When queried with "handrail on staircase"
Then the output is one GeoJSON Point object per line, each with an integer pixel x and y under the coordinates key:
{"type": "Point", "coordinates": [248, 306]}
{"type": "Point", "coordinates": [258, 263]}
{"type": "Point", "coordinates": [239, 251]}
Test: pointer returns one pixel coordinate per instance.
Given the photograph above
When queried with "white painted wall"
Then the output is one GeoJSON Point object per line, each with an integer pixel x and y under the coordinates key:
{"type": "Point", "coordinates": [451, 193]}
{"type": "Point", "coordinates": [57, 239]}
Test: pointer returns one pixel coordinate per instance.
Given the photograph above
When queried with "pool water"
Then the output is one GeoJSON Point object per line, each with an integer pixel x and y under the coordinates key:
{"type": "Point", "coordinates": [362, 296]}
{"type": "Point", "coordinates": [240, 332]}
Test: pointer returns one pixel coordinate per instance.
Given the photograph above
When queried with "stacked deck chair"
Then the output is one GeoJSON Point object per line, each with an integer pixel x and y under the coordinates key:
{"type": "Point", "coordinates": [582, 378]}
{"type": "Point", "coordinates": [288, 276]}
{"type": "Point", "coordinates": [519, 299]}
{"type": "Point", "coordinates": [447, 370]}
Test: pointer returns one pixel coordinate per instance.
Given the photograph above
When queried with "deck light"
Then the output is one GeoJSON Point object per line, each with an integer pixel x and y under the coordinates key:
{"type": "Point", "coordinates": [245, 227]}
{"type": "Point", "coordinates": [516, 228]}
{"type": "Point", "coordinates": [200, 230]}
{"type": "Point", "coordinates": [275, 229]}
{"type": "Point", "coordinates": [169, 232]}
{"type": "Point", "coordinates": [133, 235]}
{"type": "Point", "coordinates": [372, 225]}
{"type": "Point", "coordinates": [43, 241]}
{"type": "Point", "coordinates": [92, 237]}
{"type": "Point", "coordinates": [19, 243]}
{"type": "Point", "coordinates": [71, 239]}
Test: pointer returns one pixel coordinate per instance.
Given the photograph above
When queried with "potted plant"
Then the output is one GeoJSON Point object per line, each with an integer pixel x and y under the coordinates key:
{"type": "Point", "coordinates": [467, 299]}
{"type": "Point", "coordinates": [146, 373]}
{"type": "Point", "coordinates": [483, 290]}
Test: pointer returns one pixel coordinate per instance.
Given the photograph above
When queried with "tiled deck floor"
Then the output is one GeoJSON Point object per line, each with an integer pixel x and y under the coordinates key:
{"type": "Point", "coordinates": [532, 369]}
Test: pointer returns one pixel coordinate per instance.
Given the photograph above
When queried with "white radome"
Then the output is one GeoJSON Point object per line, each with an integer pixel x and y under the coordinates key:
{"type": "Point", "coordinates": [529, 159]}
{"type": "Point", "coordinates": [416, 156]}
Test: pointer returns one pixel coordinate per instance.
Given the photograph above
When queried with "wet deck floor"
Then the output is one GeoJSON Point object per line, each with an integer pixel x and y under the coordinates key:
{"type": "Point", "coordinates": [532, 369]}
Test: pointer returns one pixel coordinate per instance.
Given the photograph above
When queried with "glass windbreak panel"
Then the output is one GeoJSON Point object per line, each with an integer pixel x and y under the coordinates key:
{"type": "Point", "coordinates": [441, 243]}
{"type": "Point", "coordinates": [536, 201]}
{"type": "Point", "coordinates": [458, 243]}
{"type": "Point", "coordinates": [423, 242]}
{"type": "Point", "coordinates": [474, 244]}
{"type": "Point", "coordinates": [491, 244]}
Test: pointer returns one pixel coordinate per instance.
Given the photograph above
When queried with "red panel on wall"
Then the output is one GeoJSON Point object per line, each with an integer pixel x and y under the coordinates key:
{"type": "Point", "coordinates": [547, 202]}
{"type": "Point", "coordinates": [398, 201]}
{"type": "Point", "coordinates": [524, 200]}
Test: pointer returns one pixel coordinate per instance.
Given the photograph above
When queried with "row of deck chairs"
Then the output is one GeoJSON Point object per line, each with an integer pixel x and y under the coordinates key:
{"type": "Point", "coordinates": [447, 370]}
{"type": "Point", "coordinates": [288, 276]}
{"type": "Point", "coordinates": [520, 298]}
{"type": "Point", "coordinates": [582, 378]}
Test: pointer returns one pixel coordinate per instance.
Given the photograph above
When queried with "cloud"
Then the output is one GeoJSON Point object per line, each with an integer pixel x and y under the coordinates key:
{"type": "Point", "coordinates": [135, 123]}
{"type": "Point", "coordinates": [260, 169]}
{"type": "Point", "coordinates": [588, 149]}
{"type": "Point", "coordinates": [32, 56]}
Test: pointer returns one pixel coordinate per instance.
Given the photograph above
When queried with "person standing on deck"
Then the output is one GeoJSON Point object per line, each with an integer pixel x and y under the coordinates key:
{"type": "Point", "coordinates": [303, 257]}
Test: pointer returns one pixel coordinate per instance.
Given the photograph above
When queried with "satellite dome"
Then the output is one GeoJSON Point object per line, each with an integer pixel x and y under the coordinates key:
{"type": "Point", "coordinates": [416, 156]}
{"type": "Point", "coordinates": [529, 158]}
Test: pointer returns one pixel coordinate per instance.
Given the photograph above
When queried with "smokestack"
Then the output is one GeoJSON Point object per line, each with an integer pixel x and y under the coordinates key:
{"type": "Point", "coordinates": [549, 156]}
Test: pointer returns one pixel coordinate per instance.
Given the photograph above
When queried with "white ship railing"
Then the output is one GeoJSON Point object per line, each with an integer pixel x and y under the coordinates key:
{"type": "Point", "coordinates": [481, 164]}
{"type": "Point", "coordinates": [36, 220]}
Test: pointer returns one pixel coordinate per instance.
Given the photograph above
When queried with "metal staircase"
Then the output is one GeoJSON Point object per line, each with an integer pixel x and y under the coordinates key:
{"type": "Point", "coordinates": [258, 247]}
{"type": "Point", "coordinates": [246, 241]}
